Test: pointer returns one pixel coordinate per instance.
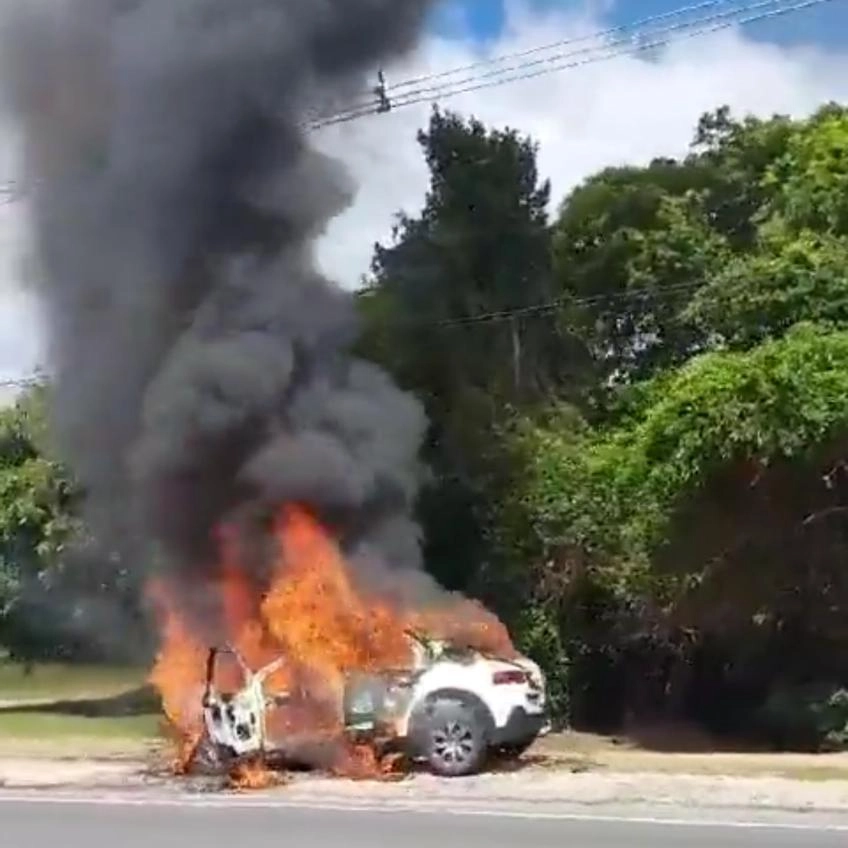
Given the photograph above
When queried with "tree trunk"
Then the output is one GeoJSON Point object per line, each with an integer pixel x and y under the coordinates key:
{"type": "Point", "coordinates": [516, 353]}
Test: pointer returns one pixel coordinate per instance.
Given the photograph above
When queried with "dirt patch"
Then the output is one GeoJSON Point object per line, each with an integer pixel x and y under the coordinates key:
{"type": "Point", "coordinates": [624, 755]}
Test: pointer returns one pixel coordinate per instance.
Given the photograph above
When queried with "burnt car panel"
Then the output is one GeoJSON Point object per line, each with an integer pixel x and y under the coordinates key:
{"type": "Point", "coordinates": [485, 702]}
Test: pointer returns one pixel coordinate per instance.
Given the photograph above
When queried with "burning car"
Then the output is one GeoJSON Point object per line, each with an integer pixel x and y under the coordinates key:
{"type": "Point", "coordinates": [449, 710]}
{"type": "Point", "coordinates": [320, 668]}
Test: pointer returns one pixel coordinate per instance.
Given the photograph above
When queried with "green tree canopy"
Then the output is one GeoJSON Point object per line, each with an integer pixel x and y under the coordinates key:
{"type": "Point", "coordinates": [36, 522]}
{"type": "Point", "coordinates": [644, 441]}
{"type": "Point", "coordinates": [450, 311]}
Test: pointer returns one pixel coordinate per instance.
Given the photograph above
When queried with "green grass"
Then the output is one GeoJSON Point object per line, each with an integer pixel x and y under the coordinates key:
{"type": "Point", "coordinates": [65, 682]}
{"type": "Point", "coordinates": [36, 735]}
{"type": "Point", "coordinates": [70, 710]}
{"type": "Point", "coordinates": [51, 726]}
{"type": "Point", "coordinates": [816, 775]}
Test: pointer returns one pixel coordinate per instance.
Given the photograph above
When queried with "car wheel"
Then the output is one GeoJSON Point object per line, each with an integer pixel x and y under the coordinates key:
{"type": "Point", "coordinates": [456, 741]}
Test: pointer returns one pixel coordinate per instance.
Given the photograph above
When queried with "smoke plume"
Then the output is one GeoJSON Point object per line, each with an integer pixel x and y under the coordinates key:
{"type": "Point", "coordinates": [201, 361]}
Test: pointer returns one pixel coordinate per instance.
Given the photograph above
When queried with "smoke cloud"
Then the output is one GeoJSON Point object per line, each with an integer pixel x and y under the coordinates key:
{"type": "Point", "coordinates": [201, 361]}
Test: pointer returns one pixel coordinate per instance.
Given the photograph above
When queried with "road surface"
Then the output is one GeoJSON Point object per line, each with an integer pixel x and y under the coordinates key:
{"type": "Point", "coordinates": [42, 821]}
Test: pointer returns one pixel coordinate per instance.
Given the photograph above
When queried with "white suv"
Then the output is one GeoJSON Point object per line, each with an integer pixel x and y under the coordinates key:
{"type": "Point", "coordinates": [449, 710]}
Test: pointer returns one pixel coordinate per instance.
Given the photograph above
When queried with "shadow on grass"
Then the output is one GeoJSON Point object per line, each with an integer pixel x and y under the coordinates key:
{"type": "Point", "coordinates": [135, 702]}
{"type": "Point", "coordinates": [540, 762]}
{"type": "Point", "coordinates": [689, 738]}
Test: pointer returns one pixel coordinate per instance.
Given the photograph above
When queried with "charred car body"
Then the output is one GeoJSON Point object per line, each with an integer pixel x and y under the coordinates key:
{"type": "Point", "coordinates": [450, 709]}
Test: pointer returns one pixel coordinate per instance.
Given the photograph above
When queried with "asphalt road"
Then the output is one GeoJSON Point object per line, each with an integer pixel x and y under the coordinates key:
{"type": "Point", "coordinates": [100, 824]}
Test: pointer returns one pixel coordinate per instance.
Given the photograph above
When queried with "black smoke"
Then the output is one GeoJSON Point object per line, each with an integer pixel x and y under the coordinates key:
{"type": "Point", "coordinates": [201, 361]}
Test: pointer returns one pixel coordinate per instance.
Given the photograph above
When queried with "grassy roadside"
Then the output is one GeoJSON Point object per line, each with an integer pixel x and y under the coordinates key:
{"type": "Point", "coordinates": [52, 736]}
{"type": "Point", "coordinates": [59, 710]}
{"type": "Point", "coordinates": [43, 736]}
{"type": "Point", "coordinates": [53, 681]}
{"type": "Point", "coordinates": [70, 712]}
{"type": "Point", "coordinates": [589, 752]}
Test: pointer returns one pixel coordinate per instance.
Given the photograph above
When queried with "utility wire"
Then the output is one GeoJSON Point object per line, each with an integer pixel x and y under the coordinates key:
{"type": "Point", "coordinates": [722, 20]}
{"type": "Point", "coordinates": [489, 317]}
{"type": "Point", "coordinates": [592, 36]}
{"type": "Point", "coordinates": [11, 192]}
{"type": "Point", "coordinates": [20, 382]}
{"type": "Point", "coordinates": [748, 13]}
{"type": "Point", "coordinates": [559, 303]}
{"type": "Point", "coordinates": [725, 18]}
{"type": "Point", "coordinates": [755, 12]}
{"type": "Point", "coordinates": [397, 88]}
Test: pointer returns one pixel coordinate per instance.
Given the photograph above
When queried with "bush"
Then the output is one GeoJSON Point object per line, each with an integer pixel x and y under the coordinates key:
{"type": "Point", "coordinates": [813, 717]}
{"type": "Point", "coordinates": [538, 636]}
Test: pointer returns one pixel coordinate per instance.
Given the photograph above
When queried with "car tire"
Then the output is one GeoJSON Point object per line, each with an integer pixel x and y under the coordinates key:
{"type": "Point", "coordinates": [455, 737]}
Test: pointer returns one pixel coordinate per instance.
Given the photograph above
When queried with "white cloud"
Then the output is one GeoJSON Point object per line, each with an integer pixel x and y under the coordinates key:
{"type": "Point", "coordinates": [20, 329]}
{"type": "Point", "coordinates": [623, 111]}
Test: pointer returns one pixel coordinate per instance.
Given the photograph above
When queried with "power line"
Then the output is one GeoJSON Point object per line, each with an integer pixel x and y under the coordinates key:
{"type": "Point", "coordinates": [598, 34]}
{"type": "Point", "coordinates": [11, 192]}
{"type": "Point", "coordinates": [561, 302]}
{"type": "Point", "coordinates": [748, 13]}
{"type": "Point", "coordinates": [756, 12]}
{"type": "Point", "coordinates": [617, 48]}
{"type": "Point", "coordinates": [600, 37]}
{"type": "Point", "coordinates": [493, 317]}
{"type": "Point", "coordinates": [556, 304]}
{"type": "Point", "coordinates": [533, 51]}
{"type": "Point", "coordinates": [726, 18]}
{"type": "Point", "coordinates": [606, 53]}
{"type": "Point", "coordinates": [20, 382]}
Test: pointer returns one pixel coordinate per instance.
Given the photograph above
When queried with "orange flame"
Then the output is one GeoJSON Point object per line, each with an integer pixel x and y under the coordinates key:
{"type": "Point", "coordinates": [323, 625]}
{"type": "Point", "coordinates": [246, 777]}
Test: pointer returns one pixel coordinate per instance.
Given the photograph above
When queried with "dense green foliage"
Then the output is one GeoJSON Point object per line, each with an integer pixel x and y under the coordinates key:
{"type": "Point", "coordinates": [36, 523]}
{"type": "Point", "coordinates": [656, 459]}
{"type": "Point", "coordinates": [639, 419]}
{"type": "Point", "coordinates": [59, 598]}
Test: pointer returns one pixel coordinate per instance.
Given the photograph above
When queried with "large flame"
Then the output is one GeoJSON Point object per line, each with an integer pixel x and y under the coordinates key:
{"type": "Point", "coordinates": [312, 615]}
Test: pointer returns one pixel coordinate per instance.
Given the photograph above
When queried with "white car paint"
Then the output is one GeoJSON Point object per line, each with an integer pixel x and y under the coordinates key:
{"type": "Point", "coordinates": [476, 676]}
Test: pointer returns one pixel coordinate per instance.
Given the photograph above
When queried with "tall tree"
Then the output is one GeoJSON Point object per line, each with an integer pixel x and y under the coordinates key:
{"type": "Point", "coordinates": [61, 597]}
{"type": "Point", "coordinates": [794, 269]}
{"type": "Point", "coordinates": [453, 310]}
{"type": "Point", "coordinates": [738, 155]}
{"type": "Point", "coordinates": [808, 183]}
{"type": "Point", "coordinates": [633, 246]}
{"type": "Point", "coordinates": [479, 247]}
{"type": "Point", "coordinates": [36, 524]}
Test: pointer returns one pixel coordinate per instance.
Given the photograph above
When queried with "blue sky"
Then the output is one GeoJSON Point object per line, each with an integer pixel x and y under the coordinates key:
{"type": "Point", "coordinates": [825, 25]}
